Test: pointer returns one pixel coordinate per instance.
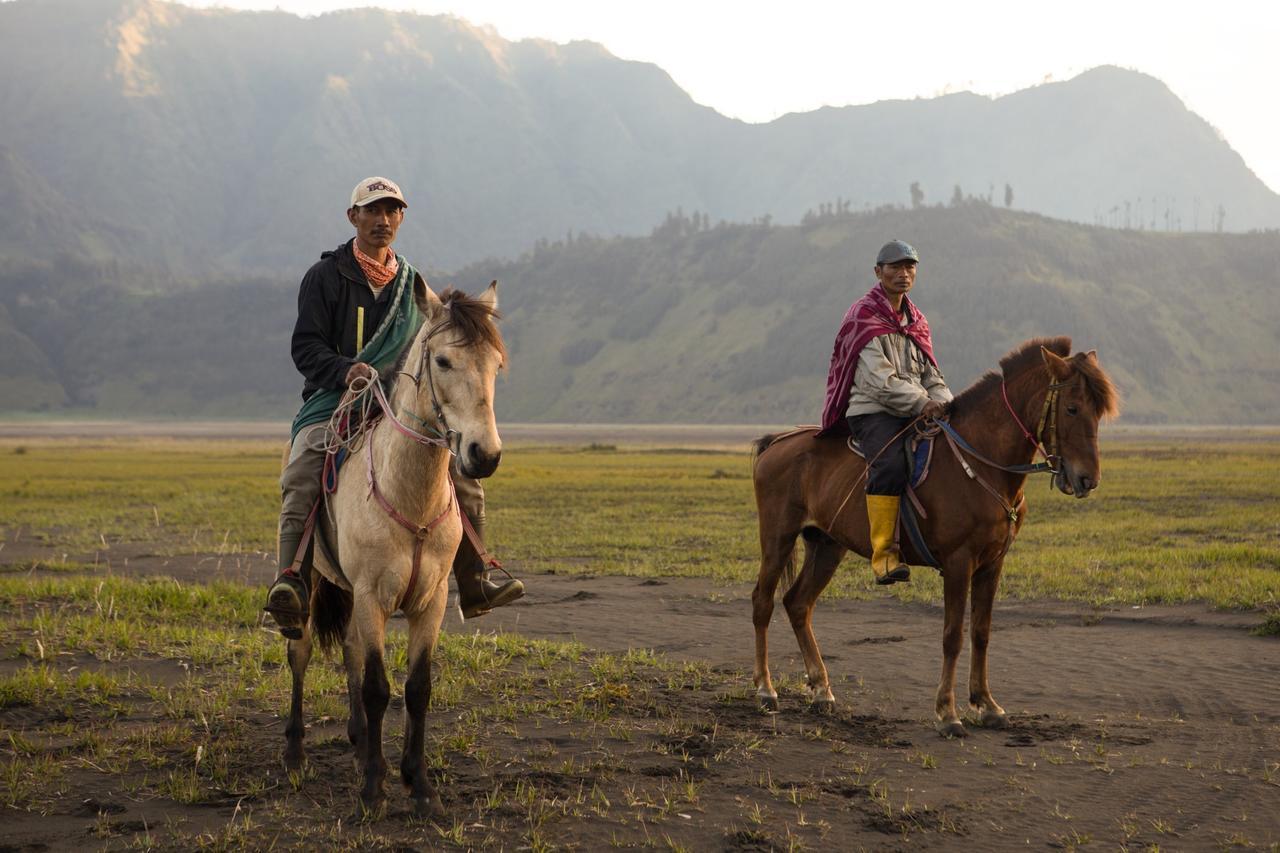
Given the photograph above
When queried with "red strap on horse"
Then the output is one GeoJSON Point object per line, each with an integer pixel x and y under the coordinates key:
{"type": "Point", "coordinates": [420, 532]}
{"type": "Point", "coordinates": [476, 543]}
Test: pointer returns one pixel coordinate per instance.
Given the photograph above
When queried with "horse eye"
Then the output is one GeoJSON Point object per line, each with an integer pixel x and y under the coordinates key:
{"type": "Point", "coordinates": [1073, 410]}
{"type": "Point", "coordinates": [443, 363]}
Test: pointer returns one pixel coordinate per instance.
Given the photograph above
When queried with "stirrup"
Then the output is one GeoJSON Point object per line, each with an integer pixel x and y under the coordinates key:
{"type": "Point", "coordinates": [900, 574]}
{"type": "Point", "coordinates": [491, 594]}
{"type": "Point", "coordinates": [287, 604]}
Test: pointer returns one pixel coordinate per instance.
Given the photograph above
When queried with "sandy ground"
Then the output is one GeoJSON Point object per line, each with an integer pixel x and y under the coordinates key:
{"type": "Point", "coordinates": [1131, 727]}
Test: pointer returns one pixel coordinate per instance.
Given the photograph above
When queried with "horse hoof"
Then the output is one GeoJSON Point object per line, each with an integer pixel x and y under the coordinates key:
{"type": "Point", "coordinates": [955, 728]}
{"type": "Point", "coordinates": [769, 704]}
{"type": "Point", "coordinates": [294, 759]}
{"type": "Point", "coordinates": [429, 808]}
{"type": "Point", "coordinates": [823, 707]}
{"type": "Point", "coordinates": [995, 721]}
{"type": "Point", "coordinates": [371, 808]}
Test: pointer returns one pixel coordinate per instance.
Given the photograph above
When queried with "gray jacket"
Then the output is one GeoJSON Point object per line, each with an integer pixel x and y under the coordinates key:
{"type": "Point", "coordinates": [893, 376]}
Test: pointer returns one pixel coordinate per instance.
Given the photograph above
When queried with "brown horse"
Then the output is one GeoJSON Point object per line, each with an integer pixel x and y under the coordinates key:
{"type": "Point", "coordinates": [814, 486]}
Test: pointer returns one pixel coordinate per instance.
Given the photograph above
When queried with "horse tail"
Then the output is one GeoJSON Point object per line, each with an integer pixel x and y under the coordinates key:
{"type": "Point", "coordinates": [760, 445]}
{"type": "Point", "coordinates": [330, 613]}
{"type": "Point", "coordinates": [764, 442]}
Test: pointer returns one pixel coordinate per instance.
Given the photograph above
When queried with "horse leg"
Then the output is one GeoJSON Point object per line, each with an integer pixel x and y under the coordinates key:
{"type": "Point", "coordinates": [353, 663]}
{"type": "Point", "coordinates": [776, 554]}
{"type": "Point", "coordinates": [299, 654]}
{"type": "Point", "coordinates": [424, 629]}
{"type": "Point", "coordinates": [822, 555]}
{"type": "Point", "coordinates": [985, 581]}
{"type": "Point", "coordinates": [955, 584]}
{"type": "Point", "coordinates": [370, 623]}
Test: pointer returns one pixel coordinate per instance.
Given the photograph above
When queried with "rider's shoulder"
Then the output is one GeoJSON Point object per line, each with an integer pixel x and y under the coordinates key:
{"type": "Point", "coordinates": [336, 254]}
{"type": "Point", "coordinates": [329, 263]}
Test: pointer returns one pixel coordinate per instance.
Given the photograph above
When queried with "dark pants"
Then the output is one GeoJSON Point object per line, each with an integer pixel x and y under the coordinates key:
{"type": "Point", "coordinates": [875, 433]}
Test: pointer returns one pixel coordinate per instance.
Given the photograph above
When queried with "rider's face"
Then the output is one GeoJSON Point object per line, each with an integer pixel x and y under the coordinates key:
{"type": "Point", "coordinates": [377, 223]}
{"type": "Point", "coordinates": [898, 277]}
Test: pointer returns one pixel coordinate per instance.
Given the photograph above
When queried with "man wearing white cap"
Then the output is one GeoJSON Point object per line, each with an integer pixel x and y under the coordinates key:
{"type": "Point", "coordinates": [352, 308]}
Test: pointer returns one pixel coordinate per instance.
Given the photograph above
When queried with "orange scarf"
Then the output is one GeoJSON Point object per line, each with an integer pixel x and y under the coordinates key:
{"type": "Point", "coordinates": [378, 274]}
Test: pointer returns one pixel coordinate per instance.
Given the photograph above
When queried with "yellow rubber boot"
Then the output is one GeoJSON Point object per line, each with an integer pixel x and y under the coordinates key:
{"type": "Point", "coordinates": [886, 562]}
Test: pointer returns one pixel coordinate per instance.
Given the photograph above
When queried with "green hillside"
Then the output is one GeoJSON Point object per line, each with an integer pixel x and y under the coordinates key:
{"type": "Point", "coordinates": [731, 323]}
{"type": "Point", "coordinates": [734, 324]}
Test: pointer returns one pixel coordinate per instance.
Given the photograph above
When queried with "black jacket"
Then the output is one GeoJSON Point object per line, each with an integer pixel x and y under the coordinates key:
{"type": "Point", "coordinates": [324, 338]}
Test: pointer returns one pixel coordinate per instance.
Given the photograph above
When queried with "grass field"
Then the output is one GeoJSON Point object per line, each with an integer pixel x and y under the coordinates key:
{"type": "Point", "coordinates": [145, 713]}
{"type": "Point", "coordinates": [1174, 521]}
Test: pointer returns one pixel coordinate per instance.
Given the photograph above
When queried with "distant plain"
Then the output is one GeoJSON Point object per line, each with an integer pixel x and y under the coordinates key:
{"type": "Point", "coordinates": [1185, 515]}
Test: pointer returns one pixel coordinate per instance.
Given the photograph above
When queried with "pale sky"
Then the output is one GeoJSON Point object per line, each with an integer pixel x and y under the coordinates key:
{"type": "Point", "coordinates": [759, 60]}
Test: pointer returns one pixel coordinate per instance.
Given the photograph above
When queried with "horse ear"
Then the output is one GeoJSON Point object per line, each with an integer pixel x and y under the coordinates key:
{"type": "Point", "coordinates": [428, 303]}
{"type": "Point", "coordinates": [1059, 369]}
{"type": "Point", "coordinates": [490, 296]}
{"type": "Point", "coordinates": [1092, 355]}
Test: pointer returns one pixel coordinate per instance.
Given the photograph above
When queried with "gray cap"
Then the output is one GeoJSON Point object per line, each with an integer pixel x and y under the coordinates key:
{"type": "Point", "coordinates": [896, 250]}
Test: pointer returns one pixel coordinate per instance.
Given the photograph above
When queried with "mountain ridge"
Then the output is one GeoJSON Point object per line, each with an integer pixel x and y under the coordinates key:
{"type": "Point", "coordinates": [231, 139]}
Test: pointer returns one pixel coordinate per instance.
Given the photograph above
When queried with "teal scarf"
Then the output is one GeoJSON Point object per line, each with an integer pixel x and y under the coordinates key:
{"type": "Point", "coordinates": [382, 351]}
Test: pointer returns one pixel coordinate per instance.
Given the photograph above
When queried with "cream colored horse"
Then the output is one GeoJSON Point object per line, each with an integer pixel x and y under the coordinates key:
{"type": "Point", "coordinates": [446, 382]}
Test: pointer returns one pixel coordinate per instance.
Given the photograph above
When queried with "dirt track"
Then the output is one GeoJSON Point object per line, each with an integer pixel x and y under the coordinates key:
{"type": "Point", "coordinates": [1131, 727]}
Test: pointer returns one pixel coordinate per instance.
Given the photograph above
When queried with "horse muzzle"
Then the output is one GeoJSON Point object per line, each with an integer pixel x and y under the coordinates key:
{"type": "Point", "coordinates": [1071, 483]}
{"type": "Point", "coordinates": [477, 463]}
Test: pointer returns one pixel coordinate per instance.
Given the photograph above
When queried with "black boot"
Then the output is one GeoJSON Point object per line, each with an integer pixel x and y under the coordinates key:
{"type": "Point", "coordinates": [477, 595]}
{"type": "Point", "coordinates": [287, 599]}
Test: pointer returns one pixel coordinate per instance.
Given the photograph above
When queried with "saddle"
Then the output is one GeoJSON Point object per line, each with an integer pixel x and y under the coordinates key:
{"type": "Point", "coordinates": [324, 555]}
{"type": "Point", "coordinates": [918, 453]}
{"type": "Point", "coordinates": [324, 559]}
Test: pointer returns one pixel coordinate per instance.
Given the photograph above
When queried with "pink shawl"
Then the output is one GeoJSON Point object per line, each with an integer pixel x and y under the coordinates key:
{"type": "Point", "coordinates": [869, 317]}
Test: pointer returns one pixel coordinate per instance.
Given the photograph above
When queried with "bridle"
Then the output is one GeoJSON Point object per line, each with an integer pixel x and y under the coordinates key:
{"type": "Point", "coordinates": [1048, 418]}
{"type": "Point", "coordinates": [1052, 463]}
{"type": "Point", "coordinates": [445, 436]}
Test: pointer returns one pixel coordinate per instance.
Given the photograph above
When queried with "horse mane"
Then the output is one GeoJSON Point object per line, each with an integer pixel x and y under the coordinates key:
{"type": "Point", "coordinates": [473, 320]}
{"type": "Point", "coordinates": [1020, 363]}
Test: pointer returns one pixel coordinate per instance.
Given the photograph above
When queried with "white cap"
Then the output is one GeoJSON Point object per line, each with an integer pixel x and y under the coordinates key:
{"type": "Point", "coordinates": [372, 189]}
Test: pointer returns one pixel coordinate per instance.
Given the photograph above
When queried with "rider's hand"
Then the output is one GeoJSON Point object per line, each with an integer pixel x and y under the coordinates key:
{"type": "Point", "coordinates": [359, 370]}
{"type": "Point", "coordinates": [933, 409]}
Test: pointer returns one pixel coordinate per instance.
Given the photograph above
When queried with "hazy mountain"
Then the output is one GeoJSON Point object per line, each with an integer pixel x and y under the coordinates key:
{"type": "Point", "coordinates": [700, 324]}
{"type": "Point", "coordinates": [205, 138]}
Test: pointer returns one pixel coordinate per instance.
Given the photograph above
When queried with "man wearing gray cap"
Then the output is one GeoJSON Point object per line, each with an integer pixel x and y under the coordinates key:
{"type": "Point", "coordinates": [351, 308]}
{"type": "Point", "coordinates": [884, 374]}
